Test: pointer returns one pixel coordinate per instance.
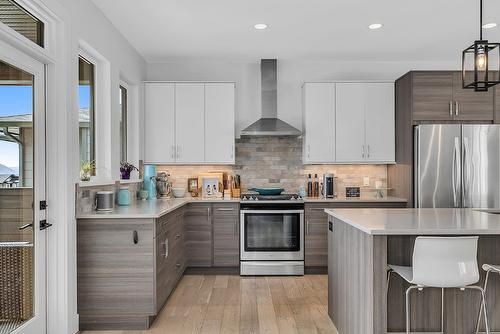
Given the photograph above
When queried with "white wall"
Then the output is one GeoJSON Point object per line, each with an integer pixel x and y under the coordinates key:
{"type": "Point", "coordinates": [291, 75]}
{"type": "Point", "coordinates": [79, 21]}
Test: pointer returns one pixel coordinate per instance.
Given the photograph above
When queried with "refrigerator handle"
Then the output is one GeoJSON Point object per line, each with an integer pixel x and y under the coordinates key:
{"type": "Point", "coordinates": [455, 173]}
{"type": "Point", "coordinates": [466, 171]}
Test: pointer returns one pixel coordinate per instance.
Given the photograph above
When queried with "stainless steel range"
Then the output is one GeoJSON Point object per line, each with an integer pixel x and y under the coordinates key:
{"type": "Point", "coordinates": [272, 235]}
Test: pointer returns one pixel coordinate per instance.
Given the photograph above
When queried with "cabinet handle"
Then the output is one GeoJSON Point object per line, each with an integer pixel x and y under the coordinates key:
{"type": "Point", "coordinates": [307, 227]}
{"type": "Point", "coordinates": [135, 237]}
{"type": "Point", "coordinates": [368, 151]}
{"type": "Point", "coordinates": [456, 108]}
{"type": "Point", "coordinates": [232, 151]}
{"type": "Point", "coordinates": [363, 151]}
{"type": "Point", "coordinates": [178, 151]}
{"type": "Point", "coordinates": [177, 266]}
{"type": "Point", "coordinates": [318, 209]}
{"type": "Point", "coordinates": [225, 209]}
{"type": "Point", "coordinates": [177, 236]}
{"type": "Point", "coordinates": [165, 244]}
{"type": "Point", "coordinates": [209, 218]}
{"type": "Point", "coordinates": [173, 152]}
{"type": "Point", "coordinates": [308, 151]}
{"type": "Point", "coordinates": [236, 227]}
{"type": "Point", "coordinates": [451, 108]}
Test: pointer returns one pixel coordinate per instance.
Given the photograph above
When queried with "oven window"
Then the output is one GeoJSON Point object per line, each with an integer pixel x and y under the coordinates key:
{"type": "Point", "coordinates": [272, 232]}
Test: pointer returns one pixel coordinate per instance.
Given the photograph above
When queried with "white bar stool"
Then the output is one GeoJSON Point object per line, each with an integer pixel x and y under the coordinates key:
{"type": "Point", "coordinates": [489, 268]}
{"type": "Point", "coordinates": [441, 262]}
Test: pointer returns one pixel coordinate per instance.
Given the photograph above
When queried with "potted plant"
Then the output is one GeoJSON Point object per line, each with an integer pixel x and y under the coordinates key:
{"type": "Point", "coordinates": [87, 169]}
{"type": "Point", "coordinates": [126, 169]}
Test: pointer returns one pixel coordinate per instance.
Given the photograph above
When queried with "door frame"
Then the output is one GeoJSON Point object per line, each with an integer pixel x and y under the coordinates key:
{"type": "Point", "coordinates": [60, 73]}
{"type": "Point", "coordinates": [19, 59]}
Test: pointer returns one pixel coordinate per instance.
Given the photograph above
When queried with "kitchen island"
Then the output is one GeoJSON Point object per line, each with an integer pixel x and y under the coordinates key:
{"type": "Point", "coordinates": [362, 242]}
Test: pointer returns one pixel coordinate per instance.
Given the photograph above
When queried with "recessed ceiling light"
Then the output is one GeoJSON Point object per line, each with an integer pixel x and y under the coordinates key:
{"type": "Point", "coordinates": [375, 26]}
{"type": "Point", "coordinates": [489, 25]}
{"type": "Point", "coordinates": [260, 26]}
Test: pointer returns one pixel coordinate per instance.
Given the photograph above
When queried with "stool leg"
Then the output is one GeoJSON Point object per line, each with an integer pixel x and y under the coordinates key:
{"type": "Point", "coordinates": [481, 307]}
{"type": "Point", "coordinates": [486, 324]}
{"type": "Point", "coordinates": [408, 308]}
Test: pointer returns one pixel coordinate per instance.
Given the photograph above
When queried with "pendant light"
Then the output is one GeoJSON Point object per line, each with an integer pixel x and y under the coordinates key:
{"type": "Point", "coordinates": [481, 62]}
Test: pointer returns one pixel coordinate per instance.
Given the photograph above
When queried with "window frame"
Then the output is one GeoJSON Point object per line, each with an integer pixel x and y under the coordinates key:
{"type": "Point", "coordinates": [31, 11]}
{"type": "Point", "coordinates": [124, 107]}
{"type": "Point", "coordinates": [92, 111]}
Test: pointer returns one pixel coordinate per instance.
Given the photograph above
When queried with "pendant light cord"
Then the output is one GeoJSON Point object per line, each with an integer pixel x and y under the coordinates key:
{"type": "Point", "coordinates": [481, 20]}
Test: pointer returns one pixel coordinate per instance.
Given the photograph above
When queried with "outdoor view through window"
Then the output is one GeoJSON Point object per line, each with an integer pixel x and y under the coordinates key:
{"type": "Point", "coordinates": [86, 111]}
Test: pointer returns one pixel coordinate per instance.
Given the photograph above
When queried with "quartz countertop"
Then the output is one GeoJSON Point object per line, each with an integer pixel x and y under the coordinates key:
{"type": "Point", "coordinates": [149, 209]}
{"type": "Point", "coordinates": [159, 207]}
{"type": "Point", "coordinates": [420, 221]}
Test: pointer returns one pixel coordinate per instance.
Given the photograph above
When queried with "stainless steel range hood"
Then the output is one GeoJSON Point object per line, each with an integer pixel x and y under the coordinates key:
{"type": "Point", "coordinates": [269, 124]}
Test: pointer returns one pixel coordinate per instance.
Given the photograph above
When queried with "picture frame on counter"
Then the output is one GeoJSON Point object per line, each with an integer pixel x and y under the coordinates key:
{"type": "Point", "coordinates": [211, 184]}
{"type": "Point", "coordinates": [193, 185]}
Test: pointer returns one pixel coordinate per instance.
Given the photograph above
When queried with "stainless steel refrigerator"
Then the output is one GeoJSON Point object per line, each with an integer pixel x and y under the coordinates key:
{"type": "Point", "coordinates": [457, 165]}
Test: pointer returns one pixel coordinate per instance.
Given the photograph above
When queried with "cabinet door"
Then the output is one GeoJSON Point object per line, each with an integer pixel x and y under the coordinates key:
{"type": "Point", "coordinates": [380, 122]}
{"type": "Point", "coordinates": [470, 105]}
{"type": "Point", "coordinates": [219, 123]}
{"type": "Point", "coordinates": [226, 235]}
{"type": "Point", "coordinates": [497, 104]}
{"type": "Point", "coordinates": [198, 234]}
{"type": "Point", "coordinates": [350, 122]}
{"type": "Point", "coordinates": [319, 122]}
{"type": "Point", "coordinates": [159, 123]}
{"type": "Point", "coordinates": [190, 122]}
{"type": "Point", "coordinates": [432, 96]}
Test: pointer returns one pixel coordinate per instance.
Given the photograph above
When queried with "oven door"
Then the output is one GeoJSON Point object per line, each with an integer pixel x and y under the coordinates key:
{"type": "Point", "coordinates": [272, 235]}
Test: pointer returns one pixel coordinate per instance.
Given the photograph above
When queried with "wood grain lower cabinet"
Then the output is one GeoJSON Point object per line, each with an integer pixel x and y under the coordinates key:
{"type": "Point", "coordinates": [115, 273]}
{"type": "Point", "coordinates": [198, 230]}
{"type": "Point", "coordinates": [316, 227]}
{"type": "Point", "coordinates": [226, 235]}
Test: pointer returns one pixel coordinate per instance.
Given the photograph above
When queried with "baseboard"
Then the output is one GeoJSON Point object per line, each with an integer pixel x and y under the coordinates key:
{"type": "Point", "coordinates": [212, 271]}
{"type": "Point", "coordinates": [316, 270]}
{"type": "Point", "coordinates": [111, 322]}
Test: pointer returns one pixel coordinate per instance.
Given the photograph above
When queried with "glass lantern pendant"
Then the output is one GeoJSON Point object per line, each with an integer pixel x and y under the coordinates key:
{"type": "Point", "coordinates": [481, 62]}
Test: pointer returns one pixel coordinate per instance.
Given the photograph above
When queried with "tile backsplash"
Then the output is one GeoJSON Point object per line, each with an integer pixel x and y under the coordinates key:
{"type": "Point", "coordinates": [277, 162]}
{"type": "Point", "coordinates": [85, 196]}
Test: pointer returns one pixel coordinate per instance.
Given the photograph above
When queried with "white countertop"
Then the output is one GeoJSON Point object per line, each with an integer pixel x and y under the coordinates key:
{"type": "Point", "coordinates": [419, 221]}
{"type": "Point", "coordinates": [159, 207]}
{"type": "Point", "coordinates": [149, 209]}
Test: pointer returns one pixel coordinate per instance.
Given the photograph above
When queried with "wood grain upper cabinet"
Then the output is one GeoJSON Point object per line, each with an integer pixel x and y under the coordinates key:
{"type": "Point", "coordinates": [380, 122]}
{"type": "Point", "coordinates": [319, 122]}
{"type": "Point", "coordinates": [470, 105]}
{"type": "Point", "coordinates": [189, 122]}
{"type": "Point", "coordinates": [226, 234]}
{"type": "Point", "coordinates": [350, 122]}
{"type": "Point", "coordinates": [219, 122]}
{"type": "Point", "coordinates": [159, 122]}
{"type": "Point", "coordinates": [432, 96]}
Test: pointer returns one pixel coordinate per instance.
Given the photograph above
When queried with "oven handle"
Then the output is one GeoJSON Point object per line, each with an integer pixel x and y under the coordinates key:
{"type": "Point", "coordinates": [272, 211]}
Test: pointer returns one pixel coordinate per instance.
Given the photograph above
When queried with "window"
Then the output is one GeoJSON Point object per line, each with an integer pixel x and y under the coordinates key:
{"type": "Point", "coordinates": [16, 17]}
{"type": "Point", "coordinates": [123, 124]}
{"type": "Point", "coordinates": [86, 112]}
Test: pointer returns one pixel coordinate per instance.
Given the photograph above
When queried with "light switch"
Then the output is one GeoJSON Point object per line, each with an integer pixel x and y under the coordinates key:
{"type": "Point", "coordinates": [366, 181]}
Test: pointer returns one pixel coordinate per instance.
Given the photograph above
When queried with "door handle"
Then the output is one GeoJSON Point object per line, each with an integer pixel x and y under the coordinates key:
{"type": "Point", "coordinates": [44, 225]}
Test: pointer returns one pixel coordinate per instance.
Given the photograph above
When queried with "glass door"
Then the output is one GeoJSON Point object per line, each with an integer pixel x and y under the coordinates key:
{"type": "Point", "coordinates": [22, 190]}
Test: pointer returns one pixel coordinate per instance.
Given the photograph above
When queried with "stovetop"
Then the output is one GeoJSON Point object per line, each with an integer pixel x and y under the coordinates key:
{"type": "Point", "coordinates": [254, 197]}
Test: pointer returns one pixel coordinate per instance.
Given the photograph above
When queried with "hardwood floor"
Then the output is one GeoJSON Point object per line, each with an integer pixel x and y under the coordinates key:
{"type": "Point", "coordinates": [234, 304]}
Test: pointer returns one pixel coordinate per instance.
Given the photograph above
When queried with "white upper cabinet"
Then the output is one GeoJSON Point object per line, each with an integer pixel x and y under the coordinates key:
{"type": "Point", "coordinates": [189, 122]}
{"type": "Point", "coordinates": [319, 122]}
{"type": "Point", "coordinates": [350, 122]}
{"type": "Point", "coordinates": [159, 134]}
{"type": "Point", "coordinates": [363, 125]}
{"type": "Point", "coordinates": [219, 122]}
{"type": "Point", "coordinates": [380, 123]}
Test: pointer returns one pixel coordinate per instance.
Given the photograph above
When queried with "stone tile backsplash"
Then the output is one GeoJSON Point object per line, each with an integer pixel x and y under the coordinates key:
{"type": "Point", "coordinates": [277, 162]}
{"type": "Point", "coordinates": [85, 196]}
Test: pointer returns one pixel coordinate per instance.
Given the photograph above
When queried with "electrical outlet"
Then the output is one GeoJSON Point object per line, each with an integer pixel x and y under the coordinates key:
{"type": "Point", "coordinates": [366, 181]}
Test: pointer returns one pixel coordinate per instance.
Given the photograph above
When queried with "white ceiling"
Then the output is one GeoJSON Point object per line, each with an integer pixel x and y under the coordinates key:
{"type": "Point", "coordinates": [417, 30]}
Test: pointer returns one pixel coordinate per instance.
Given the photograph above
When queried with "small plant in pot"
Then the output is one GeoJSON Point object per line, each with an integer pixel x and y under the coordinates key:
{"type": "Point", "coordinates": [126, 169]}
{"type": "Point", "coordinates": [87, 169]}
